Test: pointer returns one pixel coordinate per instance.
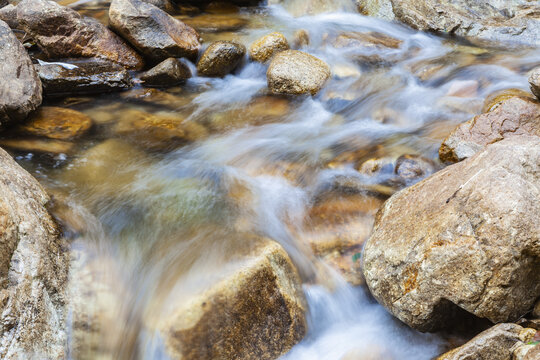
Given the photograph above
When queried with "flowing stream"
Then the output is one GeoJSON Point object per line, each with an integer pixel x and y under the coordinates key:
{"type": "Point", "coordinates": [152, 221]}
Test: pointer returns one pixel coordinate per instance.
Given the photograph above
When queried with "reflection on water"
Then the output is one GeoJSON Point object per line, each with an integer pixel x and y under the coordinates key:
{"type": "Point", "coordinates": [160, 195]}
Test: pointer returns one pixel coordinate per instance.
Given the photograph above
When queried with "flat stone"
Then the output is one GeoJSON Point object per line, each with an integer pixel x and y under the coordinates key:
{"type": "Point", "coordinates": [210, 23]}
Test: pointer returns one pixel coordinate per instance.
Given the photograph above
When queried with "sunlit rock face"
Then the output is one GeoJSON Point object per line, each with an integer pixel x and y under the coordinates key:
{"type": "Point", "coordinates": [464, 238]}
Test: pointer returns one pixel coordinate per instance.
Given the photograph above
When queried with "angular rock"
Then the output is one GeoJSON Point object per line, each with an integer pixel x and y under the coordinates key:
{"type": "Point", "coordinates": [20, 88]}
{"type": "Point", "coordinates": [511, 22]}
{"type": "Point", "coordinates": [167, 73]}
{"type": "Point", "coordinates": [514, 117]}
{"type": "Point", "coordinates": [466, 238]}
{"type": "Point", "coordinates": [495, 344]}
{"type": "Point", "coordinates": [63, 33]}
{"type": "Point", "coordinates": [221, 58]}
{"type": "Point", "coordinates": [534, 81]}
{"type": "Point", "coordinates": [266, 47]}
{"type": "Point", "coordinates": [257, 311]}
{"type": "Point", "coordinates": [295, 72]}
{"type": "Point", "coordinates": [56, 123]}
{"type": "Point", "coordinates": [76, 76]}
{"type": "Point", "coordinates": [152, 31]}
{"type": "Point", "coordinates": [33, 263]}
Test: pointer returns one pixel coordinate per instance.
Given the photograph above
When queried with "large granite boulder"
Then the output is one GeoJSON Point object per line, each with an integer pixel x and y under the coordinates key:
{"type": "Point", "coordinates": [465, 239]}
{"type": "Point", "coordinates": [33, 268]}
{"type": "Point", "coordinates": [516, 116]}
{"type": "Point", "coordinates": [153, 32]}
{"type": "Point", "coordinates": [63, 33]}
{"type": "Point", "coordinates": [20, 88]}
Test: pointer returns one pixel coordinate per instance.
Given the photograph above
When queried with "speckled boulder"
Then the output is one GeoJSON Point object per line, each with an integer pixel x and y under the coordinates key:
{"type": "Point", "coordinates": [266, 47]}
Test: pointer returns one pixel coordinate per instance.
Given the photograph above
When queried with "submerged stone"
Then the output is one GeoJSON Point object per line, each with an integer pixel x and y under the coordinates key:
{"type": "Point", "coordinates": [56, 123]}
{"type": "Point", "coordinates": [534, 81]}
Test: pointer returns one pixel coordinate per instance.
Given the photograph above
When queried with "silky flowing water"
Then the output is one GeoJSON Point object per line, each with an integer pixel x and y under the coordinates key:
{"type": "Point", "coordinates": [157, 221]}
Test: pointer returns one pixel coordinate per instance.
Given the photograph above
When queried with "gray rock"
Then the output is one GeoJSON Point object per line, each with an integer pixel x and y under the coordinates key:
{"type": "Point", "coordinates": [295, 72]}
{"type": "Point", "coordinates": [167, 73]}
{"type": "Point", "coordinates": [534, 81]}
{"type": "Point", "coordinates": [20, 88]}
{"type": "Point", "coordinates": [152, 31]}
{"type": "Point", "coordinates": [494, 344]}
{"type": "Point", "coordinates": [221, 58]}
{"type": "Point", "coordinates": [497, 21]}
{"type": "Point", "coordinates": [516, 116]}
{"type": "Point", "coordinates": [377, 8]}
{"type": "Point", "coordinates": [8, 14]}
{"type": "Point", "coordinates": [466, 238]}
{"type": "Point", "coordinates": [88, 76]}
{"type": "Point", "coordinates": [32, 257]}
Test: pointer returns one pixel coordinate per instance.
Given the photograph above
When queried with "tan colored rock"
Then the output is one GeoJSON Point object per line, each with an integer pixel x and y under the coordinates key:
{"type": "Point", "coordinates": [368, 47]}
{"type": "Point", "coordinates": [20, 88]}
{"type": "Point", "coordinates": [301, 39]}
{"type": "Point", "coordinates": [62, 33]}
{"type": "Point", "coordinates": [33, 264]}
{"type": "Point", "coordinates": [56, 123]}
{"type": "Point", "coordinates": [257, 311]}
{"type": "Point", "coordinates": [495, 344]}
{"type": "Point", "coordinates": [220, 58]}
{"type": "Point", "coordinates": [51, 147]}
{"type": "Point", "coordinates": [413, 168]}
{"type": "Point", "coordinates": [534, 81]}
{"type": "Point", "coordinates": [295, 72]}
{"type": "Point", "coordinates": [514, 117]}
{"type": "Point", "coordinates": [153, 32]}
{"type": "Point", "coordinates": [533, 354]}
{"type": "Point", "coordinates": [498, 97]}
{"type": "Point", "coordinates": [266, 47]}
{"type": "Point", "coordinates": [466, 238]}
{"type": "Point", "coordinates": [377, 8]}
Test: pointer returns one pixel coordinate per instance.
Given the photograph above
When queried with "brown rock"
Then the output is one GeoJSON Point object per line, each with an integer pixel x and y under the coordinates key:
{"type": "Point", "coordinates": [56, 123]}
{"type": "Point", "coordinates": [301, 39]}
{"type": "Point", "coordinates": [20, 88]}
{"type": "Point", "coordinates": [62, 33]}
{"type": "Point", "coordinates": [166, 5]}
{"type": "Point", "coordinates": [221, 58]}
{"type": "Point", "coordinates": [210, 23]}
{"type": "Point", "coordinates": [52, 147]}
{"type": "Point", "coordinates": [266, 47]}
{"type": "Point", "coordinates": [514, 117]}
{"type": "Point", "coordinates": [152, 31]}
{"type": "Point", "coordinates": [495, 344]}
{"type": "Point", "coordinates": [466, 238]}
{"type": "Point", "coordinates": [34, 260]}
{"type": "Point", "coordinates": [167, 73]}
{"type": "Point", "coordinates": [257, 311]}
{"type": "Point", "coordinates": [534, 81]}
{"type": "Point", "coordinates": [413, 168]}
{"type": "Point", "coordinates": [8, 14]}
{"type": "Point", "coordinates": [295, 72]}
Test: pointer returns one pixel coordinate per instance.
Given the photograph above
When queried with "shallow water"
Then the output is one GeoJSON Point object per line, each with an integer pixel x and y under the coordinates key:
{"type": "Point", "coordinates": [154, 220]}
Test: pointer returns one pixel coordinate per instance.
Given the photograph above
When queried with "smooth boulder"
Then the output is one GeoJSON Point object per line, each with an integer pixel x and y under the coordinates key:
{"type": "Point", "coordinates": [516, 116]}
{"type": "Point", "coordinates": [534, 81]}
{"type": "Point", "coordinates": [167, 73]}
{"type": "Point", "coordinates": [465, 239]}
{"type": "Point", "coordinates": [20, 88]}
{"type": "Point", "coordinates": [221, 58]}
{"type": "Point", "coordinates": [295, 72]}
{"type": "Point", "coordinates": [34, 259]}
{"type": "Point", "coordinates": [56, 123]}
{"type": "Point", "coordinates": [266, 47]}
{"type": "Point", "coordinates": [153, 32]}
{"type": "Point", "coordinates": [86, 76]}
{"type": "Point", "coordinates": [63, 33]}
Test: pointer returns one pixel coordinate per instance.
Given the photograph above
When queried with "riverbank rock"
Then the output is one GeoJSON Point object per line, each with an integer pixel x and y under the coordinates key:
{"type": "Point", "coordinates": [33, 264]}
{"type": "Point", "coordinates": [266, 47]}
{"type": "Point", "coordinates": [8, 14]}
{"type": "Point", "coordinates": [221, 58]}
{"type": "Point", "coordinates": [470, 241]}
{"type": "Point", "coordinates": [295, 72]}
{"type": "Point", "coordinates": [167, 73]}
{"type": "Point", "coordinates": [63, 33]}
{"type": "Point", "coordinates": [257, 311]}
{"type": "Point", "coordinates": [152, 31]}
{"type": "Point", "coordinates": [20, 88]}
{"type": "Point", "coordinates": [56, 123]}
{"type": "Point", "coordinates": [534, 82]}
{"type": "Point", "coordinates": [516, 116]}
{"type": "Point", "coordinates": [510, 22]}
{"type": "Point", "coordinates": [86, 76]}
{"type": "Point", "coordinates": [496, 343]}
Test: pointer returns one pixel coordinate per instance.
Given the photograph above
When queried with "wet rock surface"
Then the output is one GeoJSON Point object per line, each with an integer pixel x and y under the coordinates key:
{"type": "Point", "coordinates": [266, 47]}
{"type": "Point", "coordinates": [295, 72]}
{"type": "Point", "coordinates": [63, 33]}
{"type": "Point", "coordinates": [534, 81]}
{"type": "Point", "coordinates": [20, 88]}
{"type": "Point", "coordinates": [514, 117]}
{"type": "Point", "coordinates": [221, 58]}
{"type": "Point", "coordinates": [34, 260]}
{"type": "Point", "coordinates": [73, 76]}
{"type": "Point", "coordinates": [153, 32]}
{"type": "Point", "coordinates": [56, 123]}
{"type": "Point", "coordinates": [167, 73]}
{"type": "Point", "coordinates": [461, 247]}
